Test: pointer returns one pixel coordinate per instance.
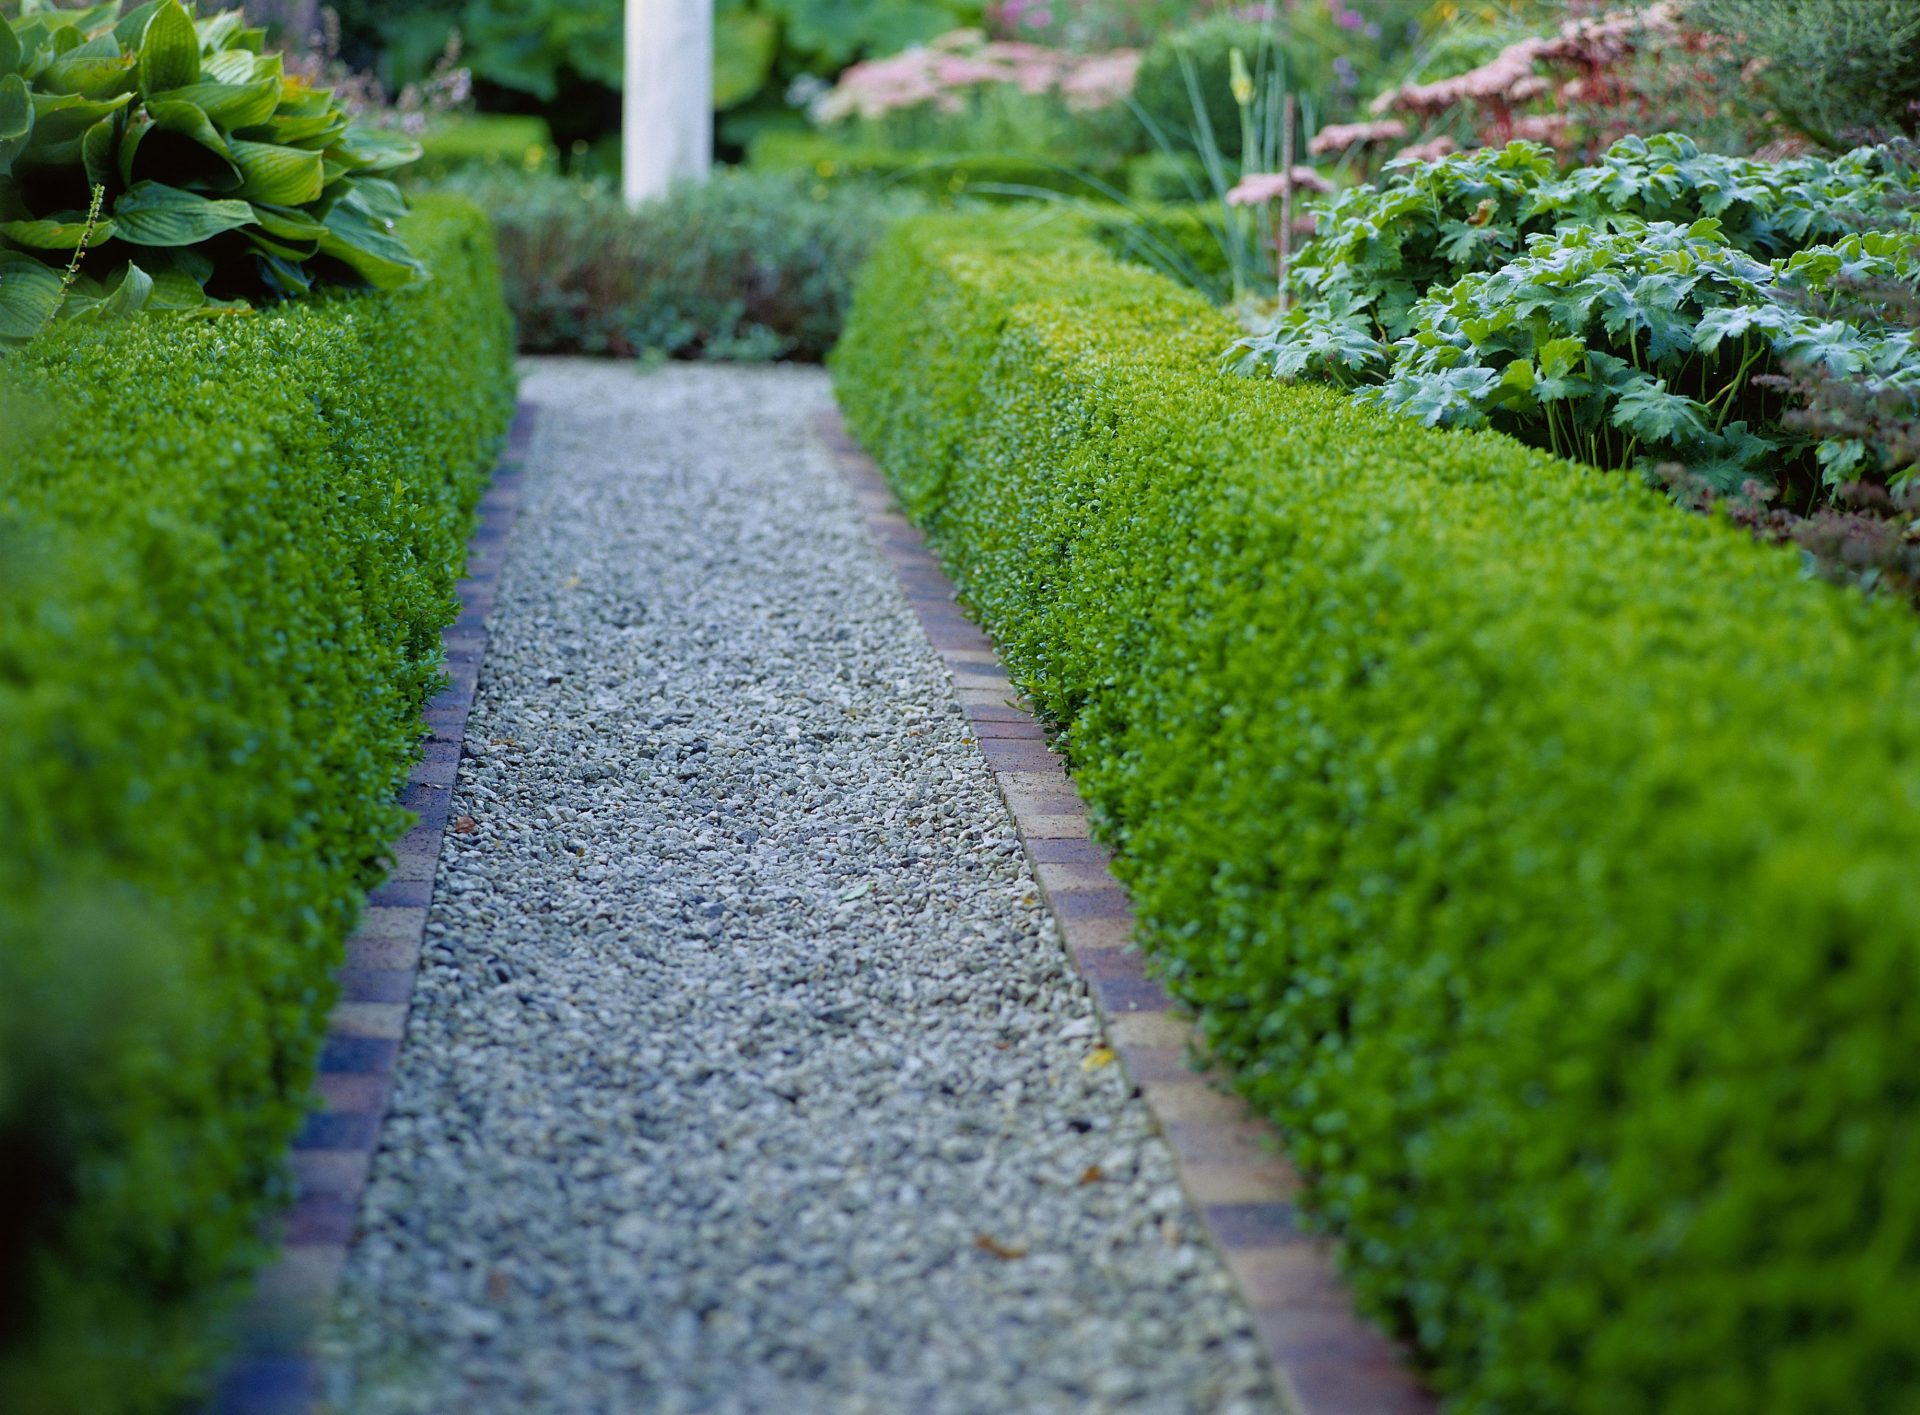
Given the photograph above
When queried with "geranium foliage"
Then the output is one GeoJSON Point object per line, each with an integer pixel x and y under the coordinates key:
{"type": "Point", "coordinates": [1630, 312]}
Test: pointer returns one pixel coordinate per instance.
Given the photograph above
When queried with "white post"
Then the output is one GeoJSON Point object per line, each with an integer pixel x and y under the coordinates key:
{"type": "Point", "coordinates": [667, 132]}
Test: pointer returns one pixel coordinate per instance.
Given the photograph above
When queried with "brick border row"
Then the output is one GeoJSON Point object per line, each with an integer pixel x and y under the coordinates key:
{"type": "Point", "coordinates": [276, 1370]}
{"type": "Point", "coordinates": [1327, 1359]}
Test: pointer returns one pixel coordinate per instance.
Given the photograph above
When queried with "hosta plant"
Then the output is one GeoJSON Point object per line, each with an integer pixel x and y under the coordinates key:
{"type": "Point", "coordinates": [1643, 345]}
{"type": "Point", "coordinates": [160, 159]}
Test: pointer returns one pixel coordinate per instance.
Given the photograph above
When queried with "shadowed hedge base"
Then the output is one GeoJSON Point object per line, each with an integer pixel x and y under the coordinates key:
{"type": "Point", "coordinates": [1540, 857]}
{"type": "Point", "coordinates": [227, 548]}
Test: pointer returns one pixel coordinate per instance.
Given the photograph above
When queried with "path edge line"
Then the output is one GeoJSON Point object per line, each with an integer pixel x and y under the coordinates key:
{"type": "Point", "coordinates": [275, 1368]}
{"type": "Point", "coordinates": [1326, 1358]}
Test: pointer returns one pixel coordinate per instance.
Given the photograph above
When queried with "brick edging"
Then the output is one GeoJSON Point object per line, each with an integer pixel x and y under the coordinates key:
{"type": "Point", "coordinates": [275, 1370]}
{"type": "Point", "coordinates": [1326, 1358]}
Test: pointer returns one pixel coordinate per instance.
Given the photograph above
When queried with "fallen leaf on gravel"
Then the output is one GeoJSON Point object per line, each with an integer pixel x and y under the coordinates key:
{"type": "Point", "coordinates": [1097, 1058]}
{"type": "Point", "coordinates": [1093, 1174]}
{"type": "Point", "coordinates": [987, 1243]}
{"type": "Point", "coordinates": [497, 1286]}
{"type": "Point", "coordinates": [465, 825]}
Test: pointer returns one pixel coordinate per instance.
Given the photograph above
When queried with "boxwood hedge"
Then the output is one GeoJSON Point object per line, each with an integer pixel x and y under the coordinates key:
{"type": "Point", "coordinates": [1539, 856]}
{"type": "Point", "coordinates": [227, 548]}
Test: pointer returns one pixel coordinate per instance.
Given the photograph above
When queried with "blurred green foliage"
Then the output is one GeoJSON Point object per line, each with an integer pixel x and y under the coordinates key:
{"type": "Point", "coordinates": [748, 266]}
{"type": "Point", "coordinates": [227, 549]}
{"type": "Point", "coordinates": [562, 59]}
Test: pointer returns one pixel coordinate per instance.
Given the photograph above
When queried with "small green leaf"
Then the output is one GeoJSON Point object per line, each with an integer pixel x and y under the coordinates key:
{"type": "Point", "coordinates": [170, 50]}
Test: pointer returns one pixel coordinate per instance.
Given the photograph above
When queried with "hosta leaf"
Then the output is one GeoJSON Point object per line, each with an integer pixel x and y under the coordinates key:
{"type": "Point", "coordinates": [89, 75]}
{"type": "Point", "coordinates": [170, 50]}
{"type": "Point", "coordinates": [96, 151]}
{"type": "Point", "coordinates": [374, 253]}
{"type": "Point", "coordinates": [286, 250]}
{"type": "Point", "coordinates": [365, 150]}
{"type": "Point", "coordinates": [152, 214]}
{"type": "Point", "coordinates": [231, 105]}
{"type": "Point", "coordinates": [63, 117]}
{"type": "Point", "coordinates": [130, 295]}
{"type": "Point", "coordinates": [303, 129]}
{"type": "Point", "coordinates": [133, 25]}
{"type": "Point", "coordinates": [237, 66]}
{"type": "Point", "coordinates": [287, 223]}
{"type": "Point", "coordinates": [282, 176]}
{"type": "Point", "coordinates": [16, 120]}
{"type": "Point", "coordinates": [58, 234]}
{"type": "Point", "coordinates": [179, 147]}
{"type": "Point", "coordinates": [29, 295]}
{"type": "Point", "coordinates": [376, 197]}
{"type": "Point", "coordinates": [189, 120]}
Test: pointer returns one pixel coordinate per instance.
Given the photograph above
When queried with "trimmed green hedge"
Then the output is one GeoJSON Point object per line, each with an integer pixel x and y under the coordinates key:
{"type": "Point", "coordinates": [227, 548]}
{"type": "Point", "coordinates": [1539, 856]}
{"type": "Point", "coordinates": [517, 143]}
{"type": "Point", "coordinates": [937, 174]}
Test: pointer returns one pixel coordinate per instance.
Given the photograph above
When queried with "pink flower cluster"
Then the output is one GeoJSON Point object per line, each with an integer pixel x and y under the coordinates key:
{"type": "Point", "coordinates": [943, 74]}
{"type": "Point", "coordinates": [1592, 46]}
{"type": "Point", "coordinates": [1338, 137]}
{"type": "Point", "coordinates": [1258, 188]}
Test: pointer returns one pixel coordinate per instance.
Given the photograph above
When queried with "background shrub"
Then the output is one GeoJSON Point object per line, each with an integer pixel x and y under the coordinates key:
{"type": "Point", "coordinates": [746, 267]}
{"type": "Point", "coordinates": [226, 552]}
{"type": "Point", "coordinates": [1533, 852]}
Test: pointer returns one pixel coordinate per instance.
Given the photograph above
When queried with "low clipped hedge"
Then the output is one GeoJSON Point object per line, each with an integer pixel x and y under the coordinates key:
{"type": "Point", "coordinates": [227, 548]}
{"type": "Point", "coordinates": [1539, 856]}
{"type": "Point", "coordinates": [931, 173]}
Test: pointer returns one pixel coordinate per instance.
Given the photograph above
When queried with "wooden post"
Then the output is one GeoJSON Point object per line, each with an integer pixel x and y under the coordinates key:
{"type": "Point", "coordinates": [667, 129]}
{"type": "Point", "coordinates": [1286, 196]}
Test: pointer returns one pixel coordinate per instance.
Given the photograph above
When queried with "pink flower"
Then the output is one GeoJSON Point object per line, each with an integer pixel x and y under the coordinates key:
{"type": "Point", "coordinates": [1337, 137]}
{"type": "Point", "coordinates": [1258, 188]}
{"type": "Point", "coordinates": [1430, 151]}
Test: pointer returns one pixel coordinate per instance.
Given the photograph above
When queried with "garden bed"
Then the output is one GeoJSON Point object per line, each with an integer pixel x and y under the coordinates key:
{"type": "Point", "coordinates": [230, 546]}
{"type": "Point", "coordinates": [1533, 852]}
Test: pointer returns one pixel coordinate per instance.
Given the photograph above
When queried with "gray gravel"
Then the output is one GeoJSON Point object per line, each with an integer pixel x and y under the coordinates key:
{"type": "Point", "coordinates": [746, 1071]}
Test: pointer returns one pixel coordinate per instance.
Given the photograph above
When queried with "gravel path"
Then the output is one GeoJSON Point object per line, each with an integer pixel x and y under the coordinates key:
{"type": "Point", "coordinates": [745, 1070]}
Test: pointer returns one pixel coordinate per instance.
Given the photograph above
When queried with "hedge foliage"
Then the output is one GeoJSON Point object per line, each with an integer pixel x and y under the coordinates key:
{"type": "Point", "coordinates": [1537, 855]}
{"type": "Point", "coordinates": [932, 173]}
{"type": "Point", "coordinates": [748, 266]}
{"type": "Point", "coordinates": [227, 548]}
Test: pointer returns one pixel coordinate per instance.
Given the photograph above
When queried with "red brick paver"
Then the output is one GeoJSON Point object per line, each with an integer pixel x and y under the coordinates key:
{"type": "Point", "coordinates": [1328, 1360]}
